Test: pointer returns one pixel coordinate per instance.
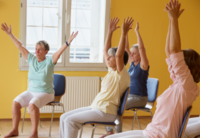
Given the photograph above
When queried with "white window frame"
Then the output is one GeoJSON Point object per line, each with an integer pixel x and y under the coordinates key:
{"type": "Point", "coordinates": [65, 65]}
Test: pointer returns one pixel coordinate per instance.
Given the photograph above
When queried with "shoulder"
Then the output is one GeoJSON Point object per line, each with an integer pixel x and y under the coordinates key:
{"type": "Point", "coordinates": [31, 57]}
{"type": "Point", "coordinates": [50, 60]}
{"type": "Point", "coordinates": [123, 72]}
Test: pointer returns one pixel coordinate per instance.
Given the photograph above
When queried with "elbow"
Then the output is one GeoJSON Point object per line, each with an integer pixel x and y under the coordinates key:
{"type": "Point", "coordinates": [174, 50]}
{"type": "Point", "coordinates": [118, 56]}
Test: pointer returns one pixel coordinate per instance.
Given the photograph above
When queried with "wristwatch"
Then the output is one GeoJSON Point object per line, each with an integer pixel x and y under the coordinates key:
{"type": "Point", "coordinates": [67, 43]}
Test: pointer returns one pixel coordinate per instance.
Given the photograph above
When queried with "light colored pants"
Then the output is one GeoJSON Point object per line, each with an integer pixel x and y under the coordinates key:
{"type": "Point", "coordinates": [133, 101]}
{"type": "Point", "coordinates": [129, 134]}
{"type": "Point", "coordinates": [72, 121]}
{"type": "Point", "coordinates": [193, 128]}
{"type": "Point", "coordinates": [38, 99]}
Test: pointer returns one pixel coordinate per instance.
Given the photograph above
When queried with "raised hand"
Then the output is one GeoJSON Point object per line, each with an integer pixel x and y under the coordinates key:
{"type": "Point", "coordinates": [113, 24]}
{"type": "Point", "coordinates": [173, 9]}
{"type": "Point", "coordinates": [137, 27]}
{"type": "Point", "coordinates": [6, 29]}
{"type": "Point", "coordinates": [72, 36]}
{"type": "Point", "coordinates": [127, 25]}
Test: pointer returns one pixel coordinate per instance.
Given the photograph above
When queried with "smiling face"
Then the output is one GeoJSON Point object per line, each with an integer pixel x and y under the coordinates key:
{"type": "Point", "coordinates": [40, 52]}
{"type": "Point", "coordinates": [135, 55]}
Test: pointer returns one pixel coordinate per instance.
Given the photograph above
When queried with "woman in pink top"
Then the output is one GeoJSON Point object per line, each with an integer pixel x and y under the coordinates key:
{"type": "Point", "coordinates": [184, 70]}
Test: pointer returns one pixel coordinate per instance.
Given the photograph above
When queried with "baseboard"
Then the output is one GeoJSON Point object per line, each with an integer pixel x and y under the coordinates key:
{"type": "Point", "coordinates": [28, 119]}
{"type": "Point", "coordinates": [57, 119]}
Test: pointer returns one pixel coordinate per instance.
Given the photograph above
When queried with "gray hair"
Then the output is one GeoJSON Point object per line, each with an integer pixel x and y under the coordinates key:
{"type": "Point", "coordinates": [135, 46]}
{"type": "Point", "coordinates": [44, 44]}
{"type": "Point", "coordinates": [112, 51]}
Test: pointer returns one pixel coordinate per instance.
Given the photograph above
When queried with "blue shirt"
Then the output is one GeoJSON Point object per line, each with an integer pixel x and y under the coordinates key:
{"type": "Point", "coordinates": [40, 74]}
{"type": "Point", "coordinates": [138, 85]}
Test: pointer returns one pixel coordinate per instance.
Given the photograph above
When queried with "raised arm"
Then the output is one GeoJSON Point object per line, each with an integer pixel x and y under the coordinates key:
{"type": "Point", "coordinates": [112, 27]}
{"type": "Point", "coordinates": [168, 41]}
{"type": "Point", "coordinates": [127, 25]}
{"type": "Point", "coordinates": [127, 49]}
{"type": "Point", "coordinates": [173, 10]}
{"type": "Point", "coordinates": [144, 64]}
{"type": "Point", "coordinates": [58, 53]}
{"type": "Point", "coordinates": [18, 44]}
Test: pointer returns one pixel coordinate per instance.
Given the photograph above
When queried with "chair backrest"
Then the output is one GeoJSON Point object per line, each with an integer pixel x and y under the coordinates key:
{"type": "Point", "coordinates": [123, 101]}
{"type": "Point", "coordinates": [185, 120]}
{"type": "Point", "coordinates": [152, 89]}
{"type": "Point", "coordinates": [59, 84]}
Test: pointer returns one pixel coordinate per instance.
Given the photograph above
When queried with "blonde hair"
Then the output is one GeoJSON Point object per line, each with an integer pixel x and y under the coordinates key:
{"type": "Point", "coordinates": [44, 44]}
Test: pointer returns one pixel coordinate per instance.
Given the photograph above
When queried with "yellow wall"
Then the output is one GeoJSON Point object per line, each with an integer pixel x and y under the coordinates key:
{"type": "Point", "coordinates": [153, 27]}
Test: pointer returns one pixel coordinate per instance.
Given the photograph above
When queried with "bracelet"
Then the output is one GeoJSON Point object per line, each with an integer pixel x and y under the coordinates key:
{"type": "Point", "coordinates": [67, 43]}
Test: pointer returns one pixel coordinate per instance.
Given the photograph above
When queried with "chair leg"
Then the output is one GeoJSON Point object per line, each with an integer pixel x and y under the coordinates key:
{"type": "Point", "coordinates": [137, 119]}
{"type": "Point", "coordinates": [106, 129]}
{"type": "Point", "coordinates": [63, 108]}
{"type": "Point", "coordinates": [51, 121]}
{"type": "Point", "coordinates": [80, 135]}
{"type": "Point", "coordinates": [40, 123]}
{"type": "Point", "coordinates": [23, 119]}
{"type": "Point", "coordinates": [93, 131]}
{"type": "Point", "coordinates": [133, 122]}
{"type": "Point", "coordinates": [114, 130]}
{"type": "Point", "coordinates": [151, 113]}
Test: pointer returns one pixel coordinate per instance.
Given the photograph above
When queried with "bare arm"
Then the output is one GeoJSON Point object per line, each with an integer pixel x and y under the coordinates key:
{"type": "Point", "coordinates": [168, 41]}
{"type": "Point", "coordinates": [144, 64]}
{"type": "Point", "coordinates": [127, 49]}
{"type": "Point", "coordinates": [127, 25]}
{"type": "Point", "coordinates": [107, 46]}
{"type": "Point", "coordinates": [173, 10]}
{"type": "Point", "coordinates": [112, 27]}
{"type": "Point", "coordinates": [58, 53]}
{"type": "Point", "coordinates": [18, 44]}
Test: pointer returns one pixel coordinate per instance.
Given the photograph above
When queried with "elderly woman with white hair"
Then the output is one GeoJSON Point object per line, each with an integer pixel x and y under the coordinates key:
{"type": "Point", "coordinates": [40, 89]}
{"type": "Point", "coordinates": [139, 72]}
{"type": "Point", "coordinates": [105, 105]}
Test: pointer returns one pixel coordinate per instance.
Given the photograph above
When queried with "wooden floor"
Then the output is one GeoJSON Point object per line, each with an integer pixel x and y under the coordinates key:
{"type": "Point", "coordinates": [6, 126]}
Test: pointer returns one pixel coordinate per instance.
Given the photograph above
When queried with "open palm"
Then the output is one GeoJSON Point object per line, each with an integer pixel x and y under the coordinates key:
{"type": "Point", "coordinates": [113, 24]}
{"type": "Point", "coordinates": [72, 36]}
{"type": "Point", "coordinates": [5, 28]}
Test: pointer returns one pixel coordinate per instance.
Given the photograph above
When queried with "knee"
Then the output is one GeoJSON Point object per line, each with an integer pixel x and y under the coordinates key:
{"type": "Point", "coordinates": [34, 103]}
{"type": "Point", "coordinates": [62, 117]}
{"type": "Point", "coordinates": [16, 105]}
{"type": "Point", "coordinates": [68, 120]}
{"type": "Point", "coordinates": [32, 106]}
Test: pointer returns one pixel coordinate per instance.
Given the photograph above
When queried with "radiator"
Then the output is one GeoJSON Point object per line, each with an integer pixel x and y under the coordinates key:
{"type": "Point", "coordinates": [79, 92]}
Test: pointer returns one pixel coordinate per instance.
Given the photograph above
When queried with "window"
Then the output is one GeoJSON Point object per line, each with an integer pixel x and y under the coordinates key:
{"type": "Point", "coordinates": [55, 20]}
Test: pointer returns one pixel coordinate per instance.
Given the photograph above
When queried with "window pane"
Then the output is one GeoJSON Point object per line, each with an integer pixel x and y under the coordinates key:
{"type": "Point", "coordinates": [51, 3]}
{"type": "Point", "coordinates": [83, 18]}
{"type": "Point", "coordinates": [33, 35]}
{"type": "Point", "coordinates": [51, 35]}
{"type": "Point", "coordinates": [83, 37]}
{"type": "Point", "coordinates": [87, 16]}
{"type": "Point", "coordinates": [84, 4]}
{"type": "Point", "coordinates": [34, 16]}
{"type": "Point", "coordinates": [34, 2]}
{"type": "Point", "coordinates": [73, 4]}
{"type": "Point", "coordinates": [80, 55]}
{"type": "Point", "coordinates": [51, 16]}
{"type": "Point", "coordinates": [73, 18]}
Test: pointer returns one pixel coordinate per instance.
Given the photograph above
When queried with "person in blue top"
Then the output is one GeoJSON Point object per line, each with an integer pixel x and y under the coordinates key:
{"type": "Point", "coordinates": [40, 88]}
{"type": "Point", "coordinates": [139, 72]}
